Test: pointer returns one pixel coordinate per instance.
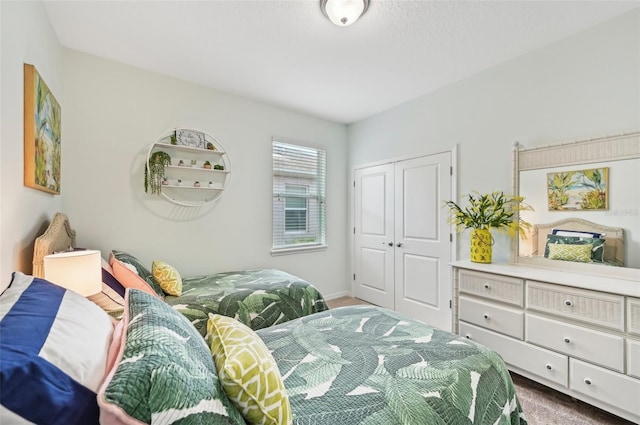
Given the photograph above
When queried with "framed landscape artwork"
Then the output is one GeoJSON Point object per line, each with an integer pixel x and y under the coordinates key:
{"type": "Point", "coordinates": [42, 125]}
{"type": "Point", "coordinates": [578, 190]}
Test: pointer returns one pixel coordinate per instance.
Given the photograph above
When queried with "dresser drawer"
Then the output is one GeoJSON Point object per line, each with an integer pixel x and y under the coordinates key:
{"type": "Point", "coordinates": [576, 341]}
{"type": "Point", "coordinates": [498, 318]}
{"type": "Point", "coordinates": [546, 364]}
{"type": "Point", "coordinates": [633, 315]}
{"type": "Point", "coordinates": [633, 358]}
{"type": "Point", "coordinates": [579, 304]}
{"type": "Point", "coordinates": [606, 386]}
{"type": "Point", "coordinates": [500, 288]}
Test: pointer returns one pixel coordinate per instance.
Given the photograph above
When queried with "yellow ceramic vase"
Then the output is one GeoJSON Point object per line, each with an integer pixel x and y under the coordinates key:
{"type": "Point", "coordinates": [481, 243]}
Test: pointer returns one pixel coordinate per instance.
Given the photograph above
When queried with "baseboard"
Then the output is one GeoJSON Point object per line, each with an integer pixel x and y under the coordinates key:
{"type": "Point", "coordinates": [337, 295]}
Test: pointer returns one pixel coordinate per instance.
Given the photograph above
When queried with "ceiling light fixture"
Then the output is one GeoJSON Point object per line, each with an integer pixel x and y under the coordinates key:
{"type": "Point", "coordinates": [343, 12]}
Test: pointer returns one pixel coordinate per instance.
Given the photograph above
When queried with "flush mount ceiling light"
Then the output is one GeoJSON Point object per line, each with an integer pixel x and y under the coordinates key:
{"type": "Point", "coordinates": [343, 12]}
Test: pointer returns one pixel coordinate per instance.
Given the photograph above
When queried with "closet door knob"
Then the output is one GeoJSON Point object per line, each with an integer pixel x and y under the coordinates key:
{"type": "Point", "coordinates": [390, 244]}
{"type": "Point", "coordinates": [399, 244]}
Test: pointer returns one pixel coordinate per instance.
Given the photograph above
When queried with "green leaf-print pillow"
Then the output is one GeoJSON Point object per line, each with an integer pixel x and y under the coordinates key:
{"type": "Point", "coordinates": [248, 372]}
{"type": "Point", "coordinates": [135, 266]}
{"type": "Point", "coordinates": [161, 370]}
{"type": "Point", "coordinates": [597, 245]}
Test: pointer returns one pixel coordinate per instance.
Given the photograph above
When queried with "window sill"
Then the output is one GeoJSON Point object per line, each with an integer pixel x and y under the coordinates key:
{"type": "Point", "coordinates": [297, 250]}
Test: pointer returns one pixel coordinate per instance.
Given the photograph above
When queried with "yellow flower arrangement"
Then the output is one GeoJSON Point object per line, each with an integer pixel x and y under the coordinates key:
{"type": "Point", "coordinates": [490, 211]}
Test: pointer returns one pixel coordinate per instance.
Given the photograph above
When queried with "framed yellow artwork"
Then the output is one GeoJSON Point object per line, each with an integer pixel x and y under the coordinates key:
{"type": "Point", "coordinates": [578, 190]}
{"type": "Point", "coordinates": [42, 136]}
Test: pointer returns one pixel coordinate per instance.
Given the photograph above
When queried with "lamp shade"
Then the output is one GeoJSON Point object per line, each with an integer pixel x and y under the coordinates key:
{"type": "Point", "coordinates": [344, 12]}
{"type": "Point", "coordinates": [79, 271]}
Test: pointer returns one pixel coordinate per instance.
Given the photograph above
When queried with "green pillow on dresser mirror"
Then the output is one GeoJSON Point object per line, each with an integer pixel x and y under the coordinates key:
{"type": "Point", "coordinates": [566, 252]}
{"type": "Point", "coordinates": [597, 245]}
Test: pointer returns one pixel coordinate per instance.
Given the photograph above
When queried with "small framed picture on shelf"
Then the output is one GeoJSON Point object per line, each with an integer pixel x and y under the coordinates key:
{"type": "Point", "coordinates": [190, 138]}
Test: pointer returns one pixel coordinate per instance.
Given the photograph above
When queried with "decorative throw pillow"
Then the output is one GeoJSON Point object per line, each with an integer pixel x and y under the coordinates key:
{"type": "Point", "coordinates": [53, 353]}
{"type": "Point", "coordinates": [248, 372]}
{"type": "Point", "coordinates": [168, 277]}
{"type": "Point", "coordinates": [597, 249]}
{"type": "Point", "coordinates": [131, 273]}
{"type": "Point", "coordinates": [161, 370]}
{"type": "Point", "coordinates": [579, 253]}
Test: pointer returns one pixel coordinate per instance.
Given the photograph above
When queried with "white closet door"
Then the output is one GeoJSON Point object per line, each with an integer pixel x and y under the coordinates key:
{"type": "Point", "coordinates": [422, 256]}
{"type": "Point", "coordinates": [402, 248]}
{"type": "Point", "coordinates": [374, 248]}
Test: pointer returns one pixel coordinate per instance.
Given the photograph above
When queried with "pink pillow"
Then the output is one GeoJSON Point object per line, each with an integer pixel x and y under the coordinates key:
{"type": "Point", "coordinates": [129, 278]}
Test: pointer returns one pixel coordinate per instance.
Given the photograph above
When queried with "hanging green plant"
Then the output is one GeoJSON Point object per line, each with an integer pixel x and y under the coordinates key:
{"type": "Point", "coordinates": [154, 171]}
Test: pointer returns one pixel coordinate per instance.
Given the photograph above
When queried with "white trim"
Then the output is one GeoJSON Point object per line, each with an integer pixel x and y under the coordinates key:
{"type": "Point", "coordinates": [297, 249]}
{"type": "Point", "coordinates": [400, 158]}
{"type": "Point", "coordinates": [297, 142]}
{"type": "Point", "coordinates": [337, 295]}
{"type": "Point", "coordinates": [454, 195]}
{"type": "Point", "coordinates": [602, 149]}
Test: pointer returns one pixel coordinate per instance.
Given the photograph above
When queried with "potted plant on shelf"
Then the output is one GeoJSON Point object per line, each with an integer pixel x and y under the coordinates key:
{"type": "Point", "coordinates": [207, 165]}
{"type": "Point", "coordinates": [218, 167]}
{"type": "Point", "coordinates": [488, 211]}
{"type": "Point", "coordinates": [154, 171]}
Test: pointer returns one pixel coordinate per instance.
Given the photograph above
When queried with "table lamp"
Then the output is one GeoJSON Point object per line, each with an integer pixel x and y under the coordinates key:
{"type": "Point", "coordinates": [79, 271]}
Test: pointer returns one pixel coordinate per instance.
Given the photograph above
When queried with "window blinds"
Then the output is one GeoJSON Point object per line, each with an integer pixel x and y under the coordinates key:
{"type": "Point", "coordinates": [299, 187]}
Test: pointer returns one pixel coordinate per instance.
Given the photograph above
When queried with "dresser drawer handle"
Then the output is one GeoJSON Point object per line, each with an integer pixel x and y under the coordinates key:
{"type": "Point", "coordinates": [568, 303]}
{"type": "Point", "coordinates": [548, 366]}
{"type": "Point", "coordinates": [486, 286]}
{"type": "Point", "coordinates": [567, 340]}
{"type": "Point", "coordinates": [486, 316]}
{"type": "Point", "coordinates": [587, 381]}
{"type": "Point", "coordinates": [467, 336]}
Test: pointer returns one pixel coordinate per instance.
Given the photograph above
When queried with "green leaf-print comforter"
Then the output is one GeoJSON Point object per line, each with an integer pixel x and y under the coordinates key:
{"type": "Point", "coordinates": [257, 298]}
{"type": "Point", "coordinates": [368, 365]}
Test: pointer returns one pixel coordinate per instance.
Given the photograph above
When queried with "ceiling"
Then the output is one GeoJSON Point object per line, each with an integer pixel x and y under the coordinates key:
{"type": "Point", "coordinates": [287, 53]}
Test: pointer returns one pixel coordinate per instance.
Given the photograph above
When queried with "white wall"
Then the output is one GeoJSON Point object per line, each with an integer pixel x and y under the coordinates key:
{"type": "Point", "coordinates": [112, 114]}
{"type": "Point", "coordinates": [27, 37]}
{"type": "Point", "coordinates": [584, 86]}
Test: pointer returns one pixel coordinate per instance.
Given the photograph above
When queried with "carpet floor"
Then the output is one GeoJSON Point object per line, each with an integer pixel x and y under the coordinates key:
{"type": "Point", "coordinates": [541, 405]}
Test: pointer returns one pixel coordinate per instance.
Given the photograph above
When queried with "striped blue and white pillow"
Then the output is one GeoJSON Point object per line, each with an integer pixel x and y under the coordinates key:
{"type": "Point", "coordinates": [53, 353]}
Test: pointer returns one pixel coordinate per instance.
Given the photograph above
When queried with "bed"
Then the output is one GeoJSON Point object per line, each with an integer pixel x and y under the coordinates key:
{"type": "Point", "coordinates": [352, 365]}
{"type": "Point", "coordinates": [366, 364]}
{"type": "Point", "coordinates": [177, 360]}
{"type": "Point", "coordinates": [258, 298]}
{"type": "Point", "coordinates": [607, 242]}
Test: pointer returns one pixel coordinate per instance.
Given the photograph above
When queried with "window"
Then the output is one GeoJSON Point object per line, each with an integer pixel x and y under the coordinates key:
{"type": "Point", "coordinates": [295, 208]}
{"type": "Point", "coordinates": [298, 198]}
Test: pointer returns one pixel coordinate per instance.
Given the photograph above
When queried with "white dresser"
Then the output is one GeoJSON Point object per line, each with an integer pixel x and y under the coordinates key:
{"type": "Point", "coordinates": [576, 333]}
